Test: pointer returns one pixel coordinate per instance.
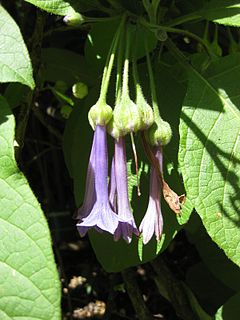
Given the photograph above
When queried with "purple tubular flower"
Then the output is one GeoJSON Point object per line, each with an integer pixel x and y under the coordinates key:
{"type": "Point", "coordinates": [90, 194]}
{"type": "Point", "coordinates": [113, 188]}
{"type": "Point", "coordinates": [126, 227]}
{"type": "Point", "coordinates": [152, 222]}
{"type": "Point", "coordinates": [101, 217]}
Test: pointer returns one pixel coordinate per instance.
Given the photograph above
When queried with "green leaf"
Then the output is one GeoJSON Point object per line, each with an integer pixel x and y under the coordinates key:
{"type": "Point", "coordinates": [210, 292]}
{"type": "Point", "coordinates": [65, 65]}
{"type": "Point", "coordinates": [230, 310]}
{"type": "Point", "coordinates": [15, 64]}
{"type": "Point", "coordinates": [64, 7]}
{"type": "Point", "coordinates": [210, 151]}
{"type": "Point", "coordinates": [15, 93]}
{"type": "Point", "coordinates": [170, 96]}
{"type": "Point", "coordinates": [62, 97]}
{"type": "Point", "coordinates": [225, 12]}
{"type": "Point", "coordinates": [30, 286]}
{"type": "Point", "coordinates": [60, 7]}
{"type": "Point", "coordinates": [214, 258]}
{"type": "Point", "coordinates": [196, 307]}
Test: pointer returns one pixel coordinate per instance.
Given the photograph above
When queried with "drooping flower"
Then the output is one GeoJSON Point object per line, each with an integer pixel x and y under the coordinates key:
{"type": "Point", "coordinates": [152, 221]}
{"type": "Point", "coordinates": [113, 188]}
{"type": "Point", "coordinates": [90, 194]}
{"type": "Point", "coordinates": [101, 216]}
{"type": "Point", "coordinates": [126, 227]}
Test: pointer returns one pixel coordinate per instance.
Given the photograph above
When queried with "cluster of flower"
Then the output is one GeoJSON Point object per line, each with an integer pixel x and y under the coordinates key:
{"type": "Point", "coordinates": [106, 205]}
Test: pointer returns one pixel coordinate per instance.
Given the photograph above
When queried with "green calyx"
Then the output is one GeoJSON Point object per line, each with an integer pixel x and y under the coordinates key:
{"type": "Point", "coordinates": [127, 116]}
{"type": "Point", "coordinates": [99, 114]}
{"type": "Point", "coordinates": [160, 133]}
{"type": "Point", "coordinates": [146, 112]}
{"type": "Point", "coordinates": [112, 129]}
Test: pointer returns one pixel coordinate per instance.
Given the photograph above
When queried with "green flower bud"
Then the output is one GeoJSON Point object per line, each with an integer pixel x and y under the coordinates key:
{"type": "Point", "coordinates": [127, 116]}
{"type": "Point", "coordinates": [80, 90]}
{"type": "Point", "coordinates": [99, 114]}
{"type": "Point", "coordinates": [65, 111]}
{"type": "Point", "coordinates": [160, 133]}
{"type": "Point", "coordinates": [147, 117]}
{"type": "Point", "coordinates": [112, 129]}
{"type": "Point", "coordinates": [74, 19]}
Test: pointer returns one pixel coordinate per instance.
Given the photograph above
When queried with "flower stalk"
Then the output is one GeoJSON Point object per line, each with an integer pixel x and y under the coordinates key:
{"type": "Point", "coordinates": [160, 133]}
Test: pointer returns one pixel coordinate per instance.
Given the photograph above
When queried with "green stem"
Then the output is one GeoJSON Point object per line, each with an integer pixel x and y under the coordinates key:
{"type": "Point", "coordinates": [157, 116]}
{"type": "Point", "coordinates": [103, 19]}
{"type": "Point", "coordinates": [119, 67]}
{"type": "Point", "coordinates": [174, 290]}
{"type": "Point", "coordinates": [109, 63]}
{"type": "Point", "coordinates": [135, 73]}
{"type": "Point", "coordinates": [155, 5]}
{"type": "Point", "coordinates": [146, 5]}
{"type": "Point", "coordinates": [134, 61]}
{"type": "Point", "coordinates": [136, 79]}
{"type": "Point", "coordinates": [184, 19]}
{"type": "Point", "coordinates": [186, 33]}
{"type": "Point", "coordinates": [114, 4]}
{"type": "Point", "coordinates": [135, 295]}
{"type": "Point", "coordinates": [125, 90]}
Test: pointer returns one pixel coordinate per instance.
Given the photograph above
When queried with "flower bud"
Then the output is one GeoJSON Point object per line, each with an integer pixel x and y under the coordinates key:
{"type": "Point", "coordinates": [127, 116]}
{"type": "Point", "coordinates": [147, 117]}
{"type": "Point", "coordinates": [80, 90]}
{"type": "Point", "coordinates": [74, 19]}
{"type": "Point", "coordinates": [160, 133]}
{"type": "Point", "coordinates": [99, 114]}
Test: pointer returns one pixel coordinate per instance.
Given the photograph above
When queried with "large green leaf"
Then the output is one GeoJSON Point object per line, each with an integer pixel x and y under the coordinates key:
{"type": "Point", "coordinates": [210, 151]}
{"type": "Point", "coordinates": [60, 7]}
{"type": "Point", "coordinates": [214, 258]}
{"type": "Point", "coordinates": [67, 66]}
{"type": "Point", "coordinates": [15, 64]}
{"type": "Point", "coordinates": [29, 284]}
{"type": "Point", "coordinates": [210, 292]}
{"type": "Point", "coordinates": [64, 7]}
{"type": "Point", "coordinates": [226, 12]}
{"type": "Point", "coordinates": [230, 310]}
{"type": "Point", "coordinates": [171, 88]}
